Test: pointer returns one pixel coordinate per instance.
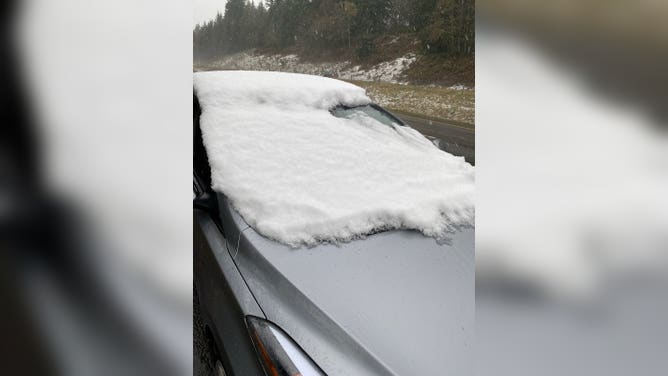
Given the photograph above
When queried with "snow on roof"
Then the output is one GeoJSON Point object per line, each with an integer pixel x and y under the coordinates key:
{"type": "Point", "coordinates": [300, 175]}
{"type": "Point", "coordinates": [239, 88]}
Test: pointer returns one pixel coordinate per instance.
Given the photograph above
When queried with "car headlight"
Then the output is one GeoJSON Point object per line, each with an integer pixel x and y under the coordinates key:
{"type": "Point", "coordinates": [278, 353]}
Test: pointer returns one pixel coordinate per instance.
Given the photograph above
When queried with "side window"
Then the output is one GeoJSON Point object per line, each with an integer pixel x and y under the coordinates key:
{"type": "Point", "coordinates": [371, 110]}
{"type": "Point", "coordinates": [201, 166]}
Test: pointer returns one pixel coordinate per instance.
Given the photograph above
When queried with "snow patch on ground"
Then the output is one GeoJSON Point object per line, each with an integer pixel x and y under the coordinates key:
{"type": "Point", "coordinates": [389, 71]}
{"type": "Point", "coordinates": [276, 63]}
{"type": "Point", "coordinates": [458, 87]}
{"type": "Point", "coordinates": [299, 175]}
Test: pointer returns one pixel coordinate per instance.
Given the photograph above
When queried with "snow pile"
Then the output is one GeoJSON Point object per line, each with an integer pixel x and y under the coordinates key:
{"type": "Point", "coordinates": [278, 63]}
{"type": "Point", "coordinates": [458, 87]}
{"type": "Point", "coordinates": [388, 71]}
{"type": "Point", "coordinates": [299, 175]}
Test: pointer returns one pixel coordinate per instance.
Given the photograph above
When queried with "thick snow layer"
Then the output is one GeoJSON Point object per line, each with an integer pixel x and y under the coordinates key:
{"type": "Point", "coordinates": [299, 175]}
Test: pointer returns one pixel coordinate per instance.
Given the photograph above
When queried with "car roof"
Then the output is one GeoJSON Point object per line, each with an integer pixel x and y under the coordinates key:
{"type": "Point", "coordinates": [282, 88]}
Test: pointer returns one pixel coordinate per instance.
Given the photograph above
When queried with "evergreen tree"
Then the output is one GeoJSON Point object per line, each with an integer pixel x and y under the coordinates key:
{"type": "Point", "coordinates": [234, 37]}
{"type": "Point", "coordinates": [443, 26]}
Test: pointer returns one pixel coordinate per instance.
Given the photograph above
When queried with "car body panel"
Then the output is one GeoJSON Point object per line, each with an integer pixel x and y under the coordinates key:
{"type": "Point", "coordinates": [225, 299]}
{"type": "Point", "coordinates": [394, 303]}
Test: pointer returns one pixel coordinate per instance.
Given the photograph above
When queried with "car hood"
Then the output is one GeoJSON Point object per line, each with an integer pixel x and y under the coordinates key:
{"type": "Point", "coordinates": [394, 303]}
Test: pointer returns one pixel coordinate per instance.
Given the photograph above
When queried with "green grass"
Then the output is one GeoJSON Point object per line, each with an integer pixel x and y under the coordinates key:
{"type": "Point", "coordinates": [426, 101]}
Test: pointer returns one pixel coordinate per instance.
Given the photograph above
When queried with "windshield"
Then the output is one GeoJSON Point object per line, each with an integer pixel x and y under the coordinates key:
{"type": "Point", "coordinates": [371, 110]}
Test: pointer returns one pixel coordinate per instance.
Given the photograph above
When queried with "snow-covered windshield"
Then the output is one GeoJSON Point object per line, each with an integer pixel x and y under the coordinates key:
{"type": "Point", "coordinates": [368, 110]}
{"type": "Point", "coordinates": [300, 175]}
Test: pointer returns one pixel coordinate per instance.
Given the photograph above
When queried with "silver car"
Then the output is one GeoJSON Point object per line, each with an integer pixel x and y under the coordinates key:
{"type": "Point", "coordinates": [393, 303]}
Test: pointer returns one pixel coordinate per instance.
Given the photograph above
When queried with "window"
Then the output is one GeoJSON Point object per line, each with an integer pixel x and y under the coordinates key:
{"type": "Point", "coordinates": [370, 110]}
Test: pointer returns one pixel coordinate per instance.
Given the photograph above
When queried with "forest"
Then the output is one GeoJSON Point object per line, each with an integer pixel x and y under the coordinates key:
{"type": "Point", "coordinates": [328, 27]}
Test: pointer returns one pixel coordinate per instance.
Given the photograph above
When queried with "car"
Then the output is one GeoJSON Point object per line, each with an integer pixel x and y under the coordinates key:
{"type": "Point", "coordinates": [393, 302]}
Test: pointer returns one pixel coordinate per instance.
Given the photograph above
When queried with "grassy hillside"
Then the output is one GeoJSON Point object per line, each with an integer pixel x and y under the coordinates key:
{"type": "Point", "coordinates": [427, 101]}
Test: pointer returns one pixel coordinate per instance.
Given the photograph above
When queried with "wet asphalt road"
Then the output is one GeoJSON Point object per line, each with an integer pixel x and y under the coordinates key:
{"type": "Point", "coordinates": [455, 138]}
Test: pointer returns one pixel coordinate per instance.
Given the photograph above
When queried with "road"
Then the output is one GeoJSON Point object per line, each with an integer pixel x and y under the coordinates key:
{"type": "Point", "coordinates": [454, 138]}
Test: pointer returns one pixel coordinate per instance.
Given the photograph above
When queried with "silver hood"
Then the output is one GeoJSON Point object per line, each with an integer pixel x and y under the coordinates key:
{"type": "Point", "coordinates": [395, 303]}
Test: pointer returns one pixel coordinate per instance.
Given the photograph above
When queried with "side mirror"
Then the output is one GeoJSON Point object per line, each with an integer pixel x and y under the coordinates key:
{"type": "Point", "coordinates": [206, 201]}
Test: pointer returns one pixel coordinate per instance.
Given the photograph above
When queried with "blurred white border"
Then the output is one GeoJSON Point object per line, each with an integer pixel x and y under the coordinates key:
{"type": "Point", "coordinates": [112, 86]}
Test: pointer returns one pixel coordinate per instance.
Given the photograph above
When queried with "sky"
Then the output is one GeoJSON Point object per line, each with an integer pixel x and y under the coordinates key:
{"type": "Point", "coordinates": [204, 10]}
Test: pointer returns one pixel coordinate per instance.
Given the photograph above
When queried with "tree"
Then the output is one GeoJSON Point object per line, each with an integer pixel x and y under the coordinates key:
{"type": "Point", "coordinates": [443, 26]}
{"type": "Point", "coordinates": [233, 25]}
{"type": "Point", "coordinates": [331, 23]}
{"type": "Point", "coordinates": [372, 19]}
{"type": "Point", "coordinates": [372, 16]}
{"type": "Point", "coordinates": [450, 28]}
